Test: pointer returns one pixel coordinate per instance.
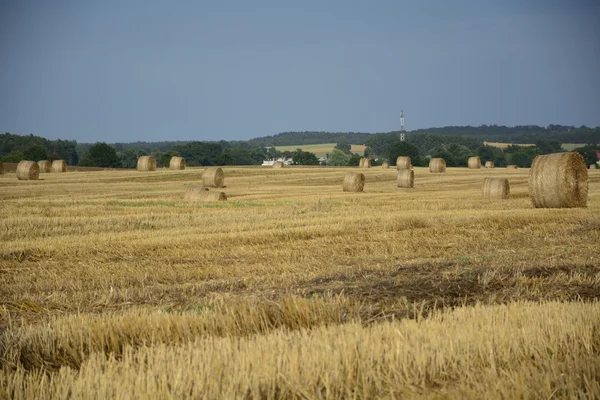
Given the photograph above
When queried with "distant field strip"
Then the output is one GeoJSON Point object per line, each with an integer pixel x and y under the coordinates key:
{"type": "Point", "coordinates": [565, 146]}
{"type": "Point", "coordinates": [321, 149]}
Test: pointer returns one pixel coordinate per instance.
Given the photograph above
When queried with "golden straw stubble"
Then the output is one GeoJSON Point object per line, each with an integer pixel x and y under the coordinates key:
{"type": "Point", "coordinates": [405, 178]}
{"type": "Point", "coordinates": [146, 163]}
{"type": "Point", "coordinates": [202, 194]}
{"type": "Point", "coordinates": [403, 162]}
{"type": "Point", "coordinates": [496, 188]}
{"type": "Point", "coordinates": [354, 182]}
{"type": "Point", "coordinates": [28, 170]}
{"type": "Point", "coordinates": [558, 180]}
{"type": "Point", "coordinates": [177, 163]}
{"type": "Point", "coordinates": [213, 177]}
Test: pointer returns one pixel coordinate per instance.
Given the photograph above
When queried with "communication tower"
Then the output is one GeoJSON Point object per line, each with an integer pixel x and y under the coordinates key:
{"type": "Point", "coordinates": [402, 125]}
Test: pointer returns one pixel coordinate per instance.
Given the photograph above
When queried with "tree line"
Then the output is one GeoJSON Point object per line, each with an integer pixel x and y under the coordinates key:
{"type": "Point", "coordinates": [454, 144]}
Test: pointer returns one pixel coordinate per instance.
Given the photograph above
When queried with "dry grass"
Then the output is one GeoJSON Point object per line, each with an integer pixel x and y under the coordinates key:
{"type": "Point", "coordinates": [112, 285]}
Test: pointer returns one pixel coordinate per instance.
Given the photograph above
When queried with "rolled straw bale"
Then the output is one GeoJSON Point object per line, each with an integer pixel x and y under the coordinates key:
{"type": "Point", "coordinates": [146, 163]}
{"type": "Point", "coordinates": [278, 164]}
{"type": "Point", "coordinates": [489, 164]}
{"type": "Point", "coordinates": [558, 180]}
{"type": "Point", "coordinates": [28, 170]}
{"type": "Point", "coordinates": [177, 163]}
{"type": "Point", "coordinates": [437, 165]}
{"type": "Point", "coordinates": [405, 178]}
{"type": "Point", "coordinates": [59, 166]}
{"type": "Point", "coordinates": [593, 166]}
{"type": "Point", "coordinates": [385, 165]}
{"type": "Point", "coordinates": [45, 166]}
{"type": "Point", "coordinates": [512, 166]}
{"type": "Point", "coordinates": [213, 177]}
{"type": "Point", "coordinates": [496, 188]}
{"type": "Point", "coordinates": [200, 193]}
{"type": "Point", "coordinates": [474, 162]}
{"type": "Point", "coordinates": [403, 163]}
{"type": "Point", "coordinates": [354, 182]}
{"type": "Point", "coordinates": [365, 163]}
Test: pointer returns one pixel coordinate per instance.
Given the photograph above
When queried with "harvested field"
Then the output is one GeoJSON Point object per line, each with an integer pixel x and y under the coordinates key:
{"type": "Point", "coordinates": [111, 281]}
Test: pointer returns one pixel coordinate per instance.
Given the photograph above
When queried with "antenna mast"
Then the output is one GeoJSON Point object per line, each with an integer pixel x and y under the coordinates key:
{"type": "Point", "coordinates": [402, 125]}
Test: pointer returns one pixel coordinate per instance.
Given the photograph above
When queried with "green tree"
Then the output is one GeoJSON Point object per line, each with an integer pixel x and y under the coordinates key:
{"type": "Point", "coordinates": [130, 157]}
{"type": "Point", "coordinates": [338, 158]}
{"type": "Point", "coordinates": [304, 158]}
{"type": "Point", "coordinates": [404, 149]}
{"type": "Point", "coordinates": [354, 160]}
{"type": "Point", "coordinates": [343, 146]}
{"type": "Point", "coordinates": [14, 157]}
{"type": "Point", "coordinates": [589, 153]}
{"type": "Point", "coordinates": [548, 147]}
{"type": "Point", "coordinates": [100, 155]}
{"type": "Point", "coordinates": [165, 158]}
{"type": "Point", "coordinates": [35, 152]}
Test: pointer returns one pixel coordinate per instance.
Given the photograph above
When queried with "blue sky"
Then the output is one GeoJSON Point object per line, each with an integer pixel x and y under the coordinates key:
{"type": "Point", "coordinates": [121, 71]}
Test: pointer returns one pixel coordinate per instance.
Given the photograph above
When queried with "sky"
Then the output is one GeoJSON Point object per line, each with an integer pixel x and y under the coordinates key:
{"type": "Point", "coordinates": [148, 70]}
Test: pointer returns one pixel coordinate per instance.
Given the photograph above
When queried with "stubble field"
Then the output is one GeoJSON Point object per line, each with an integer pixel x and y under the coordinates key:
{"type": "Point", "coordinates": [112, 286]}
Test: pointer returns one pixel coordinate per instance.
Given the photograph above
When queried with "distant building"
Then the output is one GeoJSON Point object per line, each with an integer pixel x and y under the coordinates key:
{"type": "Point", "coordinates": [270, 162]}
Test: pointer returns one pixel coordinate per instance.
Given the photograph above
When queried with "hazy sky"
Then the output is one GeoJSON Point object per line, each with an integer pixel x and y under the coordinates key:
{"type": "Point", "coordinates": [119, 71]}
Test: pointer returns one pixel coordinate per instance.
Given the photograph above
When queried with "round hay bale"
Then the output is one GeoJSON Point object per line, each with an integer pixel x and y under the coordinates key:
{"type": "Point", "coordinates": [365, 163]}
{"type": "Point", "coordinates": [278, 164]}
{"type": "Point", "coordinates": [474, 162]}
{"type": "Point", "coordinates": [59, 166]}
{"type": "Point", "coordinates": [489, 164]}
{"type": "Point", "coordinates": [354, 182]}
{"type": "Point", "coordinates": [511, 166]}
{"type": "Point", "coordinates": [146, 163]}
{"type": "Point", "coordinates": [437, 165]}
{"type": "Point", "coordinates": [213, 177]}
{"type": "Point", "coordinates": [405, 178]}
{"type": "Point", "coordinates": [496, 188]}
{"type": "Point", "coordinates": [28, 170]}
{"type": "Point", "coordinates": [385, 165]}
{"type": "Point", "coordinates": [177, 163]}
{"type": "Point", "coordinates": [403, 163]}
{"type": "Point", "coordinates": [200, 193]}
{"type": "Point", "coordinates": [593, 166]}
{"type": "Point", "coordinates": [558, 180]}
{"type": "Point", "coordinates": [45, 166]}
